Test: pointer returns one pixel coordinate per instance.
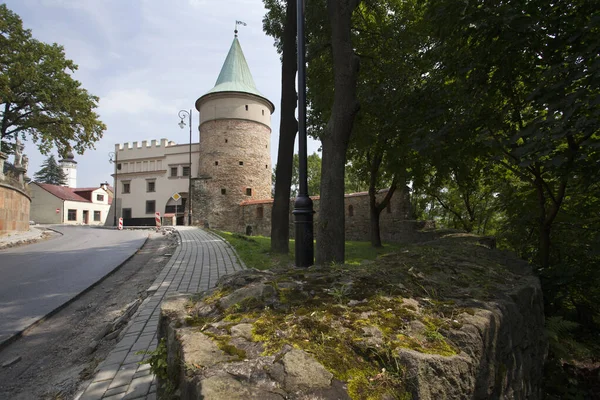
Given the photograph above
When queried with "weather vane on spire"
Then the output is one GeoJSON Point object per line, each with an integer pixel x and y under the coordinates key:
{"type": "Point", "coordinates": [236, 24]}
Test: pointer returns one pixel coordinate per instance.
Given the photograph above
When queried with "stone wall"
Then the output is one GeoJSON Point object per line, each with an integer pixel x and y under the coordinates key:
{"type": "Point", "coordinates": [458, 321]}
{"type": "Point", "coordinates": [395, 226]}
{"type": "Point", "coordinates": [234, 166]}
{"type": "Point", "coordinates": [14, 209]}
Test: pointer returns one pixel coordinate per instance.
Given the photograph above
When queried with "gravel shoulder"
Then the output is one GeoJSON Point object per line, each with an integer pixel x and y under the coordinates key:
{"type": "Point", "coordinates": [54, 357]}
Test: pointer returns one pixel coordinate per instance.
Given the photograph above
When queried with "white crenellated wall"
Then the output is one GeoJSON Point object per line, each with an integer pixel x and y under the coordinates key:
{"type": "Point", "coordinates": [152, 160]}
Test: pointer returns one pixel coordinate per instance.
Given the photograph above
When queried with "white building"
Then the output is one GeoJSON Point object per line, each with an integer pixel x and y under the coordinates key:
{"type": "Point", "coordinates": [148, 175]}
{"type": "Point", "coordinates": [52, 204]}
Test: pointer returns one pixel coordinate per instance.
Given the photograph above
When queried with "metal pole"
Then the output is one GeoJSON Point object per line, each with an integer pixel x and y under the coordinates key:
{"type": "Point", "coordinates": [190, 177]}
{"type": "Point", "coordinates": [303, 206]}
{"type": "Point", "coordinates": [182, 114]}
{"type": "Point", "coordinates": [114, 159]}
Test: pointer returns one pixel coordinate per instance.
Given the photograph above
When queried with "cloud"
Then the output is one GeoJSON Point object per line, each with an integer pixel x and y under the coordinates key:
{"type": "Point", "coordinates": [133, 101]}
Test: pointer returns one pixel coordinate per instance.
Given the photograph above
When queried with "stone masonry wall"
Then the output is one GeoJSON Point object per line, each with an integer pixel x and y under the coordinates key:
{"type": "Point", "coordinates": [14, 210]}
{"type": "Point", "coordinates": [255, 217]}
{"type": "Point", "coordinates": [234, 167]}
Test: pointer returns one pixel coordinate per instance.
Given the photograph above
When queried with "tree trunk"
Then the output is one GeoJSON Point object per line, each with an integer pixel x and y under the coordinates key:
{"type": "Point", "coordinates": [288, 126]}
{"type": "Point", "coordinates": [374, 222]}
{"type": "Point", "coordinates": [545, 245]}
{"type": "Point", "coordinates": [331, 227]}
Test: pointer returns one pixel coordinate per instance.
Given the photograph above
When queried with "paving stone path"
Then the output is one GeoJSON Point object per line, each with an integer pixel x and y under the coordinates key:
{"type": "Point", "coordinates": [197, 263]}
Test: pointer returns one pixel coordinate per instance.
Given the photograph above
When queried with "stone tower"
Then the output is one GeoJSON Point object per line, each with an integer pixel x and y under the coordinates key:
{"type": "Point", "coordinates": [235, 136]}
{"type": "Point", "coordinates": [69, 167]}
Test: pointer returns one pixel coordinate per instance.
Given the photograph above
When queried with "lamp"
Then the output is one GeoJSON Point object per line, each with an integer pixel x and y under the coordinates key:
{"type": "Point", "coordinates": [182, 114]}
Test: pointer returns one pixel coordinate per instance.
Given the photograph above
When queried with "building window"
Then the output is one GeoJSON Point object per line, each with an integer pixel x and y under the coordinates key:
{"type": "Point", "coordinates": [150, 186]}
{"type": "Point", "coordinates": [216, 163]}
{"type": "Point", "coordinates": [241, 163]}
{"type": "Point", "coordinates": [174, 171]}
{"type": "Point", "coordinates": [259, 212]}
{"type": "Point", "coordinates": [97, 216]}
{"type": "Point", "coordinates": [126, 187]}
{"type": "Point", "coordinates": [72, 215]}
{"type": "Point", "coordinates": [350, 210]}
{"type": "Point", "coordinates": [119, 166]}
{"type": "Point", "coordinates": [150, 206]}
{"type": "Point", "coordinates": [126, 213]}
{"type": "Point", "coordinates": [248, 191]}
{"type": "Point", "coordinates": [186, 171]}
{"type": "Point", "coordinates": [99, 197]}
{"type": "Point", "coordinates": [223, 191]}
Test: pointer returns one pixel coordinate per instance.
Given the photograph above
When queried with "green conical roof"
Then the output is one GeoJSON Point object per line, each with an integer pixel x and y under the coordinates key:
{"type": "Point", "coordinates": [235, 75]}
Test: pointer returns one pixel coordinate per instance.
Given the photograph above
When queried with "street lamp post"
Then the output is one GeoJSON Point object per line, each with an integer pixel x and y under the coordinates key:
{"type": "Point", "coordinates": [303, 206]}
{"type": "Point", "coordinates": [113, 159]}
{"type": "Point", "coordinates": [182, 114]}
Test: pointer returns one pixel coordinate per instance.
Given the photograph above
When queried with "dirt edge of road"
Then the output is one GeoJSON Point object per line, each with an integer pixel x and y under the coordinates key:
{"type": "Point", "coordinates": [52, 358]}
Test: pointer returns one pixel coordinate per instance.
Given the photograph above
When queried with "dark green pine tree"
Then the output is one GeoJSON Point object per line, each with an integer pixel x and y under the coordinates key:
{"type": "Point", "coordinates": [51, 173]}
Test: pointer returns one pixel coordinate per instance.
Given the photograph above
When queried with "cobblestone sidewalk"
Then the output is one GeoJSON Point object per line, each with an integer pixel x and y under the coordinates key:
{"type": "Point", "coordinates": [197, 263]}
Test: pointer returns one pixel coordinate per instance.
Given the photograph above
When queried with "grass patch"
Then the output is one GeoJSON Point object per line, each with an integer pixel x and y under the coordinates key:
{"type": "Point", "coordinates": [255, 251]}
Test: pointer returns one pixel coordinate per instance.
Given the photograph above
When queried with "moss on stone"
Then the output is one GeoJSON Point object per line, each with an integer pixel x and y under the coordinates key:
{"type": "Point", "coordinates": [354, 320]}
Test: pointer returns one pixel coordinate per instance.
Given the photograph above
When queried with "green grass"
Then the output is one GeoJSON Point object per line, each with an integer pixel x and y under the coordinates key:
{"type": "Point", "coordinates": [255, 251]}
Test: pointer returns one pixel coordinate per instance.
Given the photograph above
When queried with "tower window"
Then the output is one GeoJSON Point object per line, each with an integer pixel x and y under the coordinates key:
{"type": "Point", "coordinates": [241, 163]}
{"type": "Point", "coordinates": [248, 191]}
{"type": "Point", "coordinates": [263, 111]}
{"type": "Point", "coordinates": [216, 163]}
{"type": "Point", "coordinates": [223, 191]}
{"type": "Point", "coordinates": [266, 166]}
{"type": "Point", "coordinates": [225, 140]}
{"type": "Point", "coordinates": [246, 107]}
{"type": "Point", "coordinates": [259, 212]}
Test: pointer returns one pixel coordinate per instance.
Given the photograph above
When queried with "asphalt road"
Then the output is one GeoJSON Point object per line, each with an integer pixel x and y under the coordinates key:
{"type": "Point", "coordinates": [38, 278]}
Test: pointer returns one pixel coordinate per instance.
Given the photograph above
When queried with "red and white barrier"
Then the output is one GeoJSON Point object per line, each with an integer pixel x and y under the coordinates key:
{"type": "Point", "coordinates": [120, 227]}
{"type": "Point", "coordinates": [157, 219]}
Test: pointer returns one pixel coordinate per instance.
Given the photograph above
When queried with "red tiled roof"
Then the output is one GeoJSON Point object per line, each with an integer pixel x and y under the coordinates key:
{"type": "Point", "coordinates": [86, 193]}
{"type": "Point", "coordinates": [62, 192]}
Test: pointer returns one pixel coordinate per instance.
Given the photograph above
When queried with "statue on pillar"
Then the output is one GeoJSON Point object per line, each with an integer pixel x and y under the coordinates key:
{"type": "Point", "coordinates": [18, 153]}
{"type": "Point", "coordinates": [25, 163]}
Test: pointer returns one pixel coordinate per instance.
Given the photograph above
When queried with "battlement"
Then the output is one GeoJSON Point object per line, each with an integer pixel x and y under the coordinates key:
{"type": "Point", "coordinates": [144, 145]}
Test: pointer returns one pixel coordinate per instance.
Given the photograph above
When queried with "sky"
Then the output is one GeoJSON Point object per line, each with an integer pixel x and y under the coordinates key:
{"type": "Point", "coordinates": [148, 59]}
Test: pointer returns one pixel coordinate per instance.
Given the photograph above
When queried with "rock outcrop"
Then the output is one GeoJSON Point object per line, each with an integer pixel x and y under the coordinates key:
{"type": "Point", "coordinates": [448, 319]}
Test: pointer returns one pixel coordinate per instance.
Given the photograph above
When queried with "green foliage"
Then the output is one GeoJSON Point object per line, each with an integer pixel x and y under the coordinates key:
{"type": "Point", "coordinates": [39, 99]}
{"type": "Point", "coordinates": [51, 173]}
{"type": "Point", "coordinates": [255, 251]}
{"type": "Point", "coordinates": [159, 365]}
{"type": "Point", "coordinates": [313, 175]}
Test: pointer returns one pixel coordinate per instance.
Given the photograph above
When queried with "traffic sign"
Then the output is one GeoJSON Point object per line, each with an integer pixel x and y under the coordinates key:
{"type": "Point", "coordinates": [176, 196]}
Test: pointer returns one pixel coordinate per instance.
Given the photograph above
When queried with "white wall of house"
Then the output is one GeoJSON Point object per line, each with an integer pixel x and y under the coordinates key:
{"type": "Point", "coordinates": [96, 212]}
{"type": "Point", "coordinates": [152, 162]}
{"type": "Point", "coordinates": [44, 206]}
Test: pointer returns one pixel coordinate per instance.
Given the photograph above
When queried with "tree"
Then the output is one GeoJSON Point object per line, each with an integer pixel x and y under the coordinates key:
{"type": "Point", "coordinates": [51, 173]}
{"type": "Point", "coordinates": [39, 99]}
{"type": "Point", "coordinates": [331, 227]}
{"type": "Point", "coordinates": [285, 40]}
